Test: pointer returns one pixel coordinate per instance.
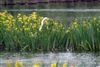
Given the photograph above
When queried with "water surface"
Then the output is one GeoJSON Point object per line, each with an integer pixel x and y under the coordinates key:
{"type": "Point", "coordinates": [78, 59]}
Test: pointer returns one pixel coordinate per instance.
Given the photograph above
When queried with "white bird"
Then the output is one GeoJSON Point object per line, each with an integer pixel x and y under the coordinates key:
{"type": "Point", "coordinates": [42, 22]}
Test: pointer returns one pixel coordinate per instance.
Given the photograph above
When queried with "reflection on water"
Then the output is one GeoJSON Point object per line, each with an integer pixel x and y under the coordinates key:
{"type": "Point", "coordinates": [55, 5]}
{"type": "Point", "coordinates": [62, 16]}
{"type": "Point", "coordinates": [78, 59]}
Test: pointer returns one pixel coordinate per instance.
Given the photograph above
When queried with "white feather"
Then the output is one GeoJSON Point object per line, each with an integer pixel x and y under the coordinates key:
{"type": "Point", "coordinates": [42, 22]}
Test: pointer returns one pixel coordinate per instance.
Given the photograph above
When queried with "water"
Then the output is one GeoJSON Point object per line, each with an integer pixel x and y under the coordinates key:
{"type": "Point", "coordinates": [78, 59]}
{"type": "Point", "coordinates": [63, 12]}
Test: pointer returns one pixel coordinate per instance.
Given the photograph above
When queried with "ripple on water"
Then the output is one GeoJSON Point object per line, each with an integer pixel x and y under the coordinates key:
{"type": "Point", "coordinates": [78, 59]}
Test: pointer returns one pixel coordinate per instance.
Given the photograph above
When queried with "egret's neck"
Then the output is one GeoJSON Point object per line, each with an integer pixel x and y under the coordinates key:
{"type": "Point", "coordinates": [42, 22]}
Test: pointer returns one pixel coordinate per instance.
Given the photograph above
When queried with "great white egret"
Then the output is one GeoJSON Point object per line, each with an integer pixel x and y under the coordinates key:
{"type": "Point", "coordinates": [42, 22]}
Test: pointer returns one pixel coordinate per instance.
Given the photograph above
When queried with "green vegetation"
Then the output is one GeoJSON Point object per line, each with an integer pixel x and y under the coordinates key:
{"type": "Point", "coordinates": [22, 33]}
{"type": "Point", "coordinates": [85, 34]}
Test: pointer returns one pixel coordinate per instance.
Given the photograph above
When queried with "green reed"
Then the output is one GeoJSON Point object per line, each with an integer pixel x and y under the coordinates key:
{"type": "Point", "coordinates": [21, 32]}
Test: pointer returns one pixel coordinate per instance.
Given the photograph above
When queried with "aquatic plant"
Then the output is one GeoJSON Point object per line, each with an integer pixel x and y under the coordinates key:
{"type": "Point", "coordinates": [64, 65]}
{"type": "Point", "coordinates": [32, 33]}
{"type": "Point", "coordinates": [84, 35]}
{"type": "Point", "coordinates": [36, 65]}
{"type": "Point", "coordinates": [22, 32]}
{"type": "Point", "coordinates": [19, 63]}
{"type": "Point", "coordinates": [53, 65]}
{"type": "Point", "coordinates": [8, 63]}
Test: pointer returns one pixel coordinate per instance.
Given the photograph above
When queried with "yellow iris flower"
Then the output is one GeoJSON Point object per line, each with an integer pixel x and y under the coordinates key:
{"type": "Point", "coordinates": [64, 65]}
{"type": "Point", "coordinates": [18, 63]}
{"type": "Point", "coordinates": [36, 65]}
{"type": "Point", "coordinates": [54, 65]}
{"type": "Point", "coordinates": [8, 63]}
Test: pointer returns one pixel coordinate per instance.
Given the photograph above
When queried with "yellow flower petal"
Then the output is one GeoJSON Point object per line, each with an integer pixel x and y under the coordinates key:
{"type": "Point", "coordinates": [53, 65]}
{"type": "Point", "coordinates": [8, 63]}
{"type": "Point", "coordinates": [18, 63]}
{"type": "Point", "coordinates": [64, 65]}
{"type": "Point", "coordinates": [36, 65]}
